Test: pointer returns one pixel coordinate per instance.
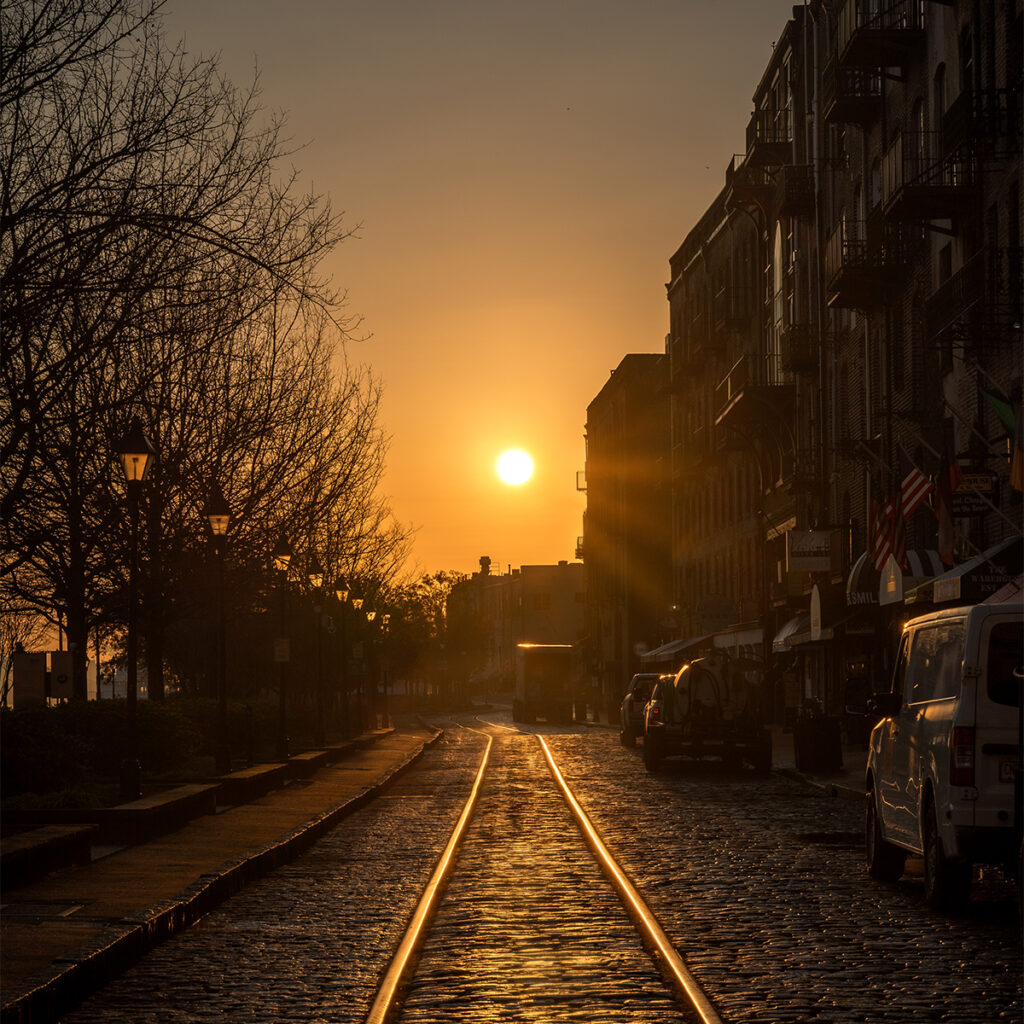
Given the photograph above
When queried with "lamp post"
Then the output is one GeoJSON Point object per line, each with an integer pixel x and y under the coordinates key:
{"type": "Point", "coordinates": [357, 604]}
{"type": "Point", "coordinates": [341, 592]}
{"type": "Point", "coordinates": [315, 573]}
{"type": "Point", "coordinates": [282, 559]}
{"type": "Point", "coordinates": [137, 453]}
{"type": "Point", "coordinates": [219, 515]}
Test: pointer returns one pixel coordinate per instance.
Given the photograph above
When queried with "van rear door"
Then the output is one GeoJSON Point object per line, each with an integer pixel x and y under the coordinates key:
{"type": "Point", "coordinates": [1001, 653]}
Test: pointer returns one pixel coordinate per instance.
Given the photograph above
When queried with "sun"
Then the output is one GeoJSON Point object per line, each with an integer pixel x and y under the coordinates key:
{"type": "Point", "coordinates": [515, 466]}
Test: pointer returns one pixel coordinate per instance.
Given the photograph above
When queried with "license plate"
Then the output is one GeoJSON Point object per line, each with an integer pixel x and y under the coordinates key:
{"type": "Point", "coordinates": [1007, 769]}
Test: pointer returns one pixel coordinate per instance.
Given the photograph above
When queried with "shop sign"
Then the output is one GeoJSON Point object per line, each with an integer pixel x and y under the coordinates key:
{"type": "Point", "coordinates": [808, 551]}
{"type": "Point", "coordinates": [815, 614]}
{"type": "Point", "coordinates": [975, 495]}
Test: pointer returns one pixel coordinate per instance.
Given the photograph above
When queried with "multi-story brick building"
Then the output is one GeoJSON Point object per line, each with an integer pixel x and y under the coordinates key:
{"type": "Point", "coordinates": [627, 526]}
{"type": "Point", "coordinates": [849, 309]}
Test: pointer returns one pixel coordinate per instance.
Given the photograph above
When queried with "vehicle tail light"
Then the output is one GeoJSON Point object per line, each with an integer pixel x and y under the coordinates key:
{"type": "Point", "coordinates": [961, 757]}
{"type": "Point", "coordinates": [655, 712]}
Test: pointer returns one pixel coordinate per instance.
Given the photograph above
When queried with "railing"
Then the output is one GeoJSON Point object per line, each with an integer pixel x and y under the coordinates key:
{"type": "Point", "coordinates": [981, 115]}
{"type": "Point", "coordinates": [799, 348]}
{"type": "Point", "coordinates": [877, 16]}
{"type": "Point", "coordinates": [795, 194]}
{"type": "Point", "coordinates": [990, 275]}
{"type": "Point", "coordinates": [913, 160]}
{"type": "Point", "coordinates": [769, 126]}
{"type": "Point", "coordinates": [850, 91]}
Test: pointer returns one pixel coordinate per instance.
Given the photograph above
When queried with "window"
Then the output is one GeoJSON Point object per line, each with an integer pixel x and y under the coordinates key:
{"type": "Point", "coordinates": [935, 664]}
{"type": "Point", "coordinates": [1005, 657]}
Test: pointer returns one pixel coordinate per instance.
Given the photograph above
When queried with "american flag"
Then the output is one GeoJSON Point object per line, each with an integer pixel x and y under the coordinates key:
{"type": "Point", "coordinates": [881, 533]}
{"type": "Point", "coordinates": [915, 487]}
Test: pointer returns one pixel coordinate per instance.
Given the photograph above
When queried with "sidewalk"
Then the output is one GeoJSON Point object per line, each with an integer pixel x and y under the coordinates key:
{"type": "Point", "coordinates": [847, 782]}
{"type": "Point", "coordinates": [65, 934]}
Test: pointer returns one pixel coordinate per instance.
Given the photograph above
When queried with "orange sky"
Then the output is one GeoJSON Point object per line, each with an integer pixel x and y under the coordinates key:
{"type": "Point", "coordinates": [521, 172]}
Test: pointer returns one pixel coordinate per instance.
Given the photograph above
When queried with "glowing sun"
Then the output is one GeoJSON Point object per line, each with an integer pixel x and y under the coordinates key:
{"type": "Point", "coordinates": [515, 466]}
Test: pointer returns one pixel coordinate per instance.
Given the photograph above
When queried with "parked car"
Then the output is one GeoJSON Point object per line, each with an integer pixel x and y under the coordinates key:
{"type": "Point", "coordinates": [631, 711]}
{"type": "Point", "coordinates": [710, 707]}
{"type": "Point", "coordinates": [941, 762]}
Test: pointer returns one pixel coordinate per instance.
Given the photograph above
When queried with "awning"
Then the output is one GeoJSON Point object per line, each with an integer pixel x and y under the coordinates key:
{"type": "Point", "coordinates": [798, 624]}
{"type": "Point", "coordinates": [864, 582]}
{"type": "Point", "coordinates": [976, 579]}
{"type": "Point", "coordinates": [744, 644]}
{"type": "Point", "coordinates": [670, 651]}
{"type": "Point", "coordinates": [1012, 593]}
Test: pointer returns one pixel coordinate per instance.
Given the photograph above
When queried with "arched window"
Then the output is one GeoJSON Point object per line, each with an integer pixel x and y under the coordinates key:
{"type": "Point", "coordinates": [876, 183]}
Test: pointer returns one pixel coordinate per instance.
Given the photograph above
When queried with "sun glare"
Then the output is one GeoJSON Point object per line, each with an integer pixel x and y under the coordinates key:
{"type": "Point", "coordinates": [515, 466]}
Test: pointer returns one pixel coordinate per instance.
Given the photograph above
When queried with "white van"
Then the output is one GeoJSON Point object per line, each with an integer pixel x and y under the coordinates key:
{"type": "Point", "coordinates": [942, 761]}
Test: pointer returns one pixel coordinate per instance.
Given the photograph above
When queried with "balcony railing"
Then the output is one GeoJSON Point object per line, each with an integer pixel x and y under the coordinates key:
{"type": "Point", "coordinates": [851, 95]}
{"type": "Point", "coordinates": [987, 286]}
{"type": "Point", "coordinates": [989, 121]}
{"type": "Point", "coordinates": [747, 184]}
{"type": "Point", "coordinates": [920, 184]}
{"type": "Point", "coordinates": [752, 391]}
{"type": "Point", "coordinates": [769, 138]}
{"type": "Point", "coordinates": [863, 257]}
{"type": "Point", "coordinates": [879, 33]}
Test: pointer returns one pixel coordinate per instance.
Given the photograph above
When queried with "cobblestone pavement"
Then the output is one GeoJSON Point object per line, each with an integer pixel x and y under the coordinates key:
{"type": "Point", "coordinates": [759, 880]}
{"type": "Point", "coordinates": [309, 941]}
{"type": "Point", "coordinates": [761, 883]}
{"type": "Point", "coordinates": [529, 929]}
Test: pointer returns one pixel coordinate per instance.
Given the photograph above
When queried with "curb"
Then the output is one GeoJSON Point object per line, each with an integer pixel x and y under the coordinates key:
{"type": "Point", "coordinates": [74, 977]}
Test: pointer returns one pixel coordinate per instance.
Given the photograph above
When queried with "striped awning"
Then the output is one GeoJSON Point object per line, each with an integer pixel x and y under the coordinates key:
{"type": "Point", "coordinates": [670, 651]}
{"type": "Point", "coordinates": [862, 586]}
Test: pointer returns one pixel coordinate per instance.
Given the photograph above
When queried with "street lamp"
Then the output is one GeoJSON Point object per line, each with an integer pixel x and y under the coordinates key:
{"type": "Point", "coordinates": [315, 572]}
{"type": "Point", "coordinates": [282, 559]}
{"type": "Point", "coordinates": [341, 591]}
{"type": "Point", "coordinates": [137, 453]}
{"type": "Point", "coordinates": [218, 513]}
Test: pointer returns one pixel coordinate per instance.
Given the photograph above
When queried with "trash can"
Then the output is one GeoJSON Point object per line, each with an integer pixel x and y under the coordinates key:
{"type": "Point", "coordinates": [817, 743]}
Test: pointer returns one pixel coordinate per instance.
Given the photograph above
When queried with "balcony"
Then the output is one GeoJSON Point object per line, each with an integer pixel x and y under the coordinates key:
{"type": "Point", "coordinates": [743, 397]}
{"type": "Point", "coordinates": [878, 33]}
{"type": "Point", "coordinates": [799, 345]}
{"type": "Point", "coordinates": [747, 185]}
{"type": "Point", "coordinates": [863, 258]}
{"type": "Point", "coordinates": [984, 294]}
{"type": "Point", "coordinates": [919, 184]}
{"type": "Point", "coordinates": [988, 121]}
{"type": "Point", "coordinates": [769, 138]}
{"type": "Point", "coordinates": [851, 95]}
{"type": "Point", "coordinates": [794, 191]}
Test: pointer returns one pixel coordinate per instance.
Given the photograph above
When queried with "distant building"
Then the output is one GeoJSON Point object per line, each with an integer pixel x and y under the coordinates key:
{"type": "Point", "coordinates": [488, 615]}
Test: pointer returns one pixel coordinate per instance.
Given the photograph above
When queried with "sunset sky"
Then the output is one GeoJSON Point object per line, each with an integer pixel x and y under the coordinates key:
{"type": "Point", "coordinates": [520, 173]}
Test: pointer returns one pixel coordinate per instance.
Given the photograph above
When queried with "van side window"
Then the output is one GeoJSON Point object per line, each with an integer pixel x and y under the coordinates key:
{"type": "Point", "coordinates": [936, 662]}
{"type": "Point", "coordinates": [1005, 654]}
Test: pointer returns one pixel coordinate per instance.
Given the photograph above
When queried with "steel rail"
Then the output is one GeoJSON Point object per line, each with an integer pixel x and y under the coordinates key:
{"type": "Point", "coordinates": [414, 934]}
{"type": "Point", "coordinates": [638, 909]}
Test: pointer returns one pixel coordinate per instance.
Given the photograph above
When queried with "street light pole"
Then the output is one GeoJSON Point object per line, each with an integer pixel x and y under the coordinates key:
{"type": "Point", "coordinates": [341, 592]}
{"type": "Point", "coordinates": [316, 582]}
{"type": "Point", "coordinates": [137, 453]}
{"type": "Point", "coordinates": [219, 514]}
{"type": "Point", "coordinates": [282, 558]}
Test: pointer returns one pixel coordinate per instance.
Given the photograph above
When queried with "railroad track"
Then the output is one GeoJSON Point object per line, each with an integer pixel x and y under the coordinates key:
{"type": "Point", "coordinates": [527, 915]}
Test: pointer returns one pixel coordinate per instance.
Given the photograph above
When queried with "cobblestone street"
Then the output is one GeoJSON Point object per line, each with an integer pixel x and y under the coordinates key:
{"type": "Point", "coordinates": [759, 880]}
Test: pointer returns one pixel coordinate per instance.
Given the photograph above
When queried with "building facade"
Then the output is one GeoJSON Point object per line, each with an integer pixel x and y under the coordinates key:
{"type": "Point", "coordinates": [845, 356]}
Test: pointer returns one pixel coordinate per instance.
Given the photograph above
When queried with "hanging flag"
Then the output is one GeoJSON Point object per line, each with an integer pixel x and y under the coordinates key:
{"type": "Point", "coordinates": [1002, 407]}
{"type": "Point", "coordinates": [915, 487]}
{"type": "Point", "coordinates": [881, 533]}
{"type": "Point", "coordinates": [899, 530]}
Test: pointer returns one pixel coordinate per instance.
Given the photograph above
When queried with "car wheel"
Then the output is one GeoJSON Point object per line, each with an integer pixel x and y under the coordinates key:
{"type": "Point", "coordinates": [947, 883]}
{"type": "Point", "coordinates": [652, 752]}
{"type": "Point", "coordinates": [628, 738]}
{"type": "Point", "coordinates": [885, 861]}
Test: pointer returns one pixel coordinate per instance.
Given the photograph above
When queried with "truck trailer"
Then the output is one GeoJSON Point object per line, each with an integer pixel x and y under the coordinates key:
{"type": "Point", "coordinates": [544, 682]}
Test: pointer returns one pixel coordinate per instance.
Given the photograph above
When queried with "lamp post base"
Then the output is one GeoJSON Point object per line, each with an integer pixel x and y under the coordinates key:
{"type": "Point", "coordinates": [131, 781]}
